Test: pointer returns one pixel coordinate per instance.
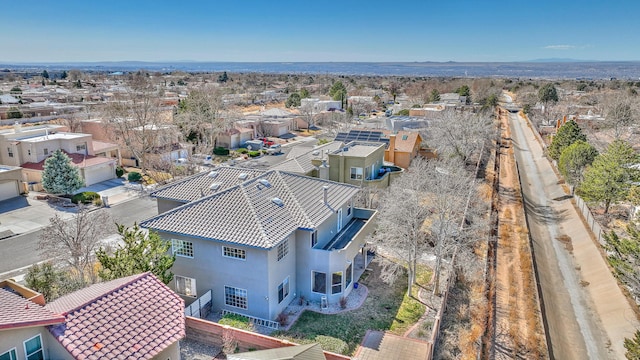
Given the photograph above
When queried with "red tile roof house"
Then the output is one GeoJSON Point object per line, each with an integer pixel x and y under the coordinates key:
{"type": "Point", "coordinates": [136, 317]}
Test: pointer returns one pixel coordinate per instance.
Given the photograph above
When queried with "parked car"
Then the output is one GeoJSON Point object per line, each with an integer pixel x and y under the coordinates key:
{"type": "Point", "coordinates": [274, 149]}
{"type": "Point", "coordinates": [266, 142]}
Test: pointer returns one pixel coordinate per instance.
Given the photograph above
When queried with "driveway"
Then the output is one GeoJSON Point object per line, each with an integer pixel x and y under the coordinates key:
{"type": "Point", "coordinates": [115, 190]}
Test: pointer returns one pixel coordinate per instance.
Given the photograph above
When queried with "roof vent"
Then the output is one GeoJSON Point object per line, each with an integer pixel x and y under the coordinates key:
{"type": "Point", "coordinates": [213, 174]}
{"type": "Point", "coordinates": [243, 176]}
{"type": "Point", "coordinates": [278, 201]}
{"type": "Point", "coordinates": [214, 186]}
{"type": "Point", "coordinates": [315, 152]}
{"type": "Point", "coordinates": [265, 182]}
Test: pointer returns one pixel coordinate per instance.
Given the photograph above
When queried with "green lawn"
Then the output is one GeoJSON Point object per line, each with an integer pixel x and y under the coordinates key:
{"type": "Point", "coordinates": [386, 308]}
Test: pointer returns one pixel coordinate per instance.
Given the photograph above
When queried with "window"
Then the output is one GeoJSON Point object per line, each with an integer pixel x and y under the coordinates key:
{"type": "Point", "coordinates": [319, 282]}
{"type": "Point", "coordinates": [283, 290]}
{"type": "Point", "coordinates": [235, 297]}
{"type": "Point", "coordinates": [356, 173]}
{"type": "Point", "coordinates": [182, 248]}
{"type": "Point", "coordinates": [46, 151]}
{"type": "Point", "coordinates": [33, 348]}
{"type": "Point", "coordinates": [234, 253]}
{"type": "Point", "coordinates": [349, 207]}
{"type": "Point", "coordinates": [9, 355]}
{"type": "Point", "coordinates": [283, 249]}
{"type": "Point", "coordinates": [29, 152]}
{"type": "Point", "coordinates": [314, 238]}
{"type": "Point", "coordinates": [185, 286]}
{"type": "Point", "coordinates": [405, 137]}
{"type": "Point", "coordinates": [10, 151]}
{"type": "Point", "coordinates": [339, 224]}
{"type": "Point", "coordinates": [347, 276]}
{"type": "Point", "coordinates": [336, 282]}
{"type": "Point", "coordinates": [81, 147]}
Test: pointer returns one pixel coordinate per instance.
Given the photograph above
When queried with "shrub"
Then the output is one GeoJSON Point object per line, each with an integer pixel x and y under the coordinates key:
{"type": "Point", "coordinates": [254, 153]}
{"type": "Point", "coordinates": [134, 177]}
{"type": "Point", "coordinates": [332, 344]}
{"type": "Point", "coordinates": [403, 112]}
{"type": "Point", "coordinates": [282, 318]}
{"type": "Point", "coordinates": [97, 202]}
{"type": "Point", "coordinates": [236, 321]}
{"type": "Point", "coordinates": [242, 151]}
{"type": "Point", "coordinates": [221, 151]}
{"type": "Point", "coordinates": [119, 171]}
{"type": "Point", "coordinates": [85, 197]}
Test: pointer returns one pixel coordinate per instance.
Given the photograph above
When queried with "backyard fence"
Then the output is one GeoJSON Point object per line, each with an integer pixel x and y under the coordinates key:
{"type": "Point", "coordinates": [201, 307]}
{"type": "Point", "coordinates": [590, 219]}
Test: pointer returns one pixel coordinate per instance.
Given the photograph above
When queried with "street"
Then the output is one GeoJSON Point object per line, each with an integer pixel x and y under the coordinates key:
{"type": "Point", "coordinates": [587, 315]}
{"type": "Point", "coordinates": [21, 251]}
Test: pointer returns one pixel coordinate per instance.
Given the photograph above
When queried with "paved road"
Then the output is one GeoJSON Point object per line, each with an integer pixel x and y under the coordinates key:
{"type": "Point", "coordinates": [20, 252]}
{"type": "Point", "coordinates": [586, 313]}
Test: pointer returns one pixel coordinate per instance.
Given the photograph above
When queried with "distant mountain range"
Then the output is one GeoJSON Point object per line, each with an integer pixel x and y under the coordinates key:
{"type": "Point", "coordinates": [554, 68]}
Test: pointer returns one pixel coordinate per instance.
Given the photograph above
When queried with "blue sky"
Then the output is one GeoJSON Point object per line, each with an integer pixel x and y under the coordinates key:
{"type": "Point", "coordinates": [348, 30]}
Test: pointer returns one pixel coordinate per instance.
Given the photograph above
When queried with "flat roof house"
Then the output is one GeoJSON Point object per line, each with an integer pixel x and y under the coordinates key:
{"type": "Point", "coordinates": [258, 239]}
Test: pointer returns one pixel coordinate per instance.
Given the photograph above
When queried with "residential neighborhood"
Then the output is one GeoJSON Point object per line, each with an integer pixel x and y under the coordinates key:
{"type": "Point", "coordinates": [306, 217]}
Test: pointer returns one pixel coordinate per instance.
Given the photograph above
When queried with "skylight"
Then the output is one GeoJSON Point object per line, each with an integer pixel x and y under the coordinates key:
{"type": "Point", "coordinates": [213, 174]}
{"type": "Point", "coordinates": [243, 176]}
{"type": "Point", "coordinates": [214, 186]}
{"type": "Point", "coordinates": [265, 182]}
{"type": "Point", "coordinates": [278, 201]}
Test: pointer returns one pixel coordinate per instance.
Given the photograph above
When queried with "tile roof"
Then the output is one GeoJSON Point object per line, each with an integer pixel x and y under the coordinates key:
{"type": "Point", "coordinates": [19, 312]}
{"type": "Point", "coordinates": [247, 214]}
{"type": "Point", "coordinates": [299, 162]}
{"type": "Point", "coordinates": [135, 317]}
{"type": "Point", "coordinates": [196, 186]}
{"type": "Point", "coordinates": [78, 160]}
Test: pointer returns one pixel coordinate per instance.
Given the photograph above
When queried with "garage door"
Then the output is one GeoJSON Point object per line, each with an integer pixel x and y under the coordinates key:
{"type": "Point", "coordinates": [8, 190]}
{"type": "Point", "coordinates": [96, 174]}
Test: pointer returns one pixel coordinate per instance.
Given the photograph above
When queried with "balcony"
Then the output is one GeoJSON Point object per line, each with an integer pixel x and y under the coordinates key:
{"type": "Point", "coordinates": [384, 176]}
{"type": "Point", "coordinates": [361, 224]}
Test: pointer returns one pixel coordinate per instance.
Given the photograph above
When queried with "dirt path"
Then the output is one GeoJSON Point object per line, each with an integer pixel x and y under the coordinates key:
{"type": "Point", "coordinates": [586, 313]}
{"type": "Point", "coordinates": [518, 327]}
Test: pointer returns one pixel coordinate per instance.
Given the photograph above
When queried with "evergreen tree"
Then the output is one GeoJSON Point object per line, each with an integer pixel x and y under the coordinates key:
{"type": "Point", "coordinates": [548, 93]}
{"type": "Point", "coordinates": [45, 74]}
{"type": "Point", "coordinates": [574, 159]}
{"type": "Point", "coordinates": [304, 93]}
{"type": "Point", "coordinates": [633, 347]}
{"type": "Point", "coordinates": [140, 253]}
{"type": "Point", "coordinates": [434, 96]}
{"type": "Point", "coordinates": [60, 176]}
{"type": "Point", "coordinates": [338, 92]}
{"type": "Point", "coordinates": [223, 78]}
{"type": "Point", "coordinates": [568, 133]}
{"type": "Point", "coordinates": [64, 74]}
{"type": "Point", "coordinates": [609, 177]}
{"type": "Point", "coordinates": [293, 100]}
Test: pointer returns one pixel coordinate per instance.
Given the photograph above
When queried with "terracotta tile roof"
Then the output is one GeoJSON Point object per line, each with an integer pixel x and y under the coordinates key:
{"type": "Point", "coordinates": [20, 312]}
{"type": "Point", "coordinates": [136, 317]}
{"type": "Point", "coordinates": [247, 214]}
{"type": "Point", "coordinates": [78, 160]}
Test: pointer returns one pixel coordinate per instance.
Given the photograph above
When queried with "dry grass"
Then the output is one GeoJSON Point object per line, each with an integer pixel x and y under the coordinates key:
{"type": "Point", "coordinates": [566, 241]}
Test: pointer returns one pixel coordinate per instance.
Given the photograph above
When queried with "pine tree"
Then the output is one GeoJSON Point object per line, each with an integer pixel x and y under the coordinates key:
{"type": "Point", "coordinates": [60, 176]}
{"type": "Point", "coordinates": [609, 177]}
{"type": "Point", "coordinates": [568, 133]}
{"type": "Point", "coordinates": [633, 347]}
{"type": "Point", "coordinates": [574, 159]}
{"type": "Point", "coordinates": [139, 254]}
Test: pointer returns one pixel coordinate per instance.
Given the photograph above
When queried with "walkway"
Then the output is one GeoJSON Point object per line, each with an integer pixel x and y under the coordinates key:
{"type": "Point", "coordinates": [586, 312]}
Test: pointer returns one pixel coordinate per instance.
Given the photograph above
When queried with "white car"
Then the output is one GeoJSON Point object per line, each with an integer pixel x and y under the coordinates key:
{"type": "Point", "coordinates": [274, 149]}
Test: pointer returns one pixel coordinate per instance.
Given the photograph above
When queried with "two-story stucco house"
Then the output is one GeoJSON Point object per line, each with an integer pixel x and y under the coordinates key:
{"type": "Point", "coordinates": [258, 239]}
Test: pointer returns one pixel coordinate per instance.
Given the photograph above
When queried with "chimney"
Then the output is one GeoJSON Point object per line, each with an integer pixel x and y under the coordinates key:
{"type": "Point", "coordinates": [17, 127]}
{"type": "Point", "coordinates": [392, 148]}
{"type": "Point", "coordinates": [325, 190]}
{"type": "Point", "coordinates": [323, 170]}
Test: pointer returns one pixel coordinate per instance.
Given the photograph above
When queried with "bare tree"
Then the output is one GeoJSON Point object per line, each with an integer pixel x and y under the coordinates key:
{"type": "Point", "coordinates": [136, 118]}
{"type": "Point", "coordinates": [75, 241]}
{"type": "Point", "coordinates": [621, 113]}
{"type": "Point", "coordinates": [202, 116]}
{"type": "Point", "coordinates": [461, 134]}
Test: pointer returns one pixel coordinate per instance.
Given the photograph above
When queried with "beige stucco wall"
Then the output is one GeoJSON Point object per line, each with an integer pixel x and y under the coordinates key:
{"type": "Point", "coordinates": [10, 339]}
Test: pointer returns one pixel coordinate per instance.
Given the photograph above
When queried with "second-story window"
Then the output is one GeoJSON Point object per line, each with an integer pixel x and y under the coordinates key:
{"type": "Point", "coordinates": [234, 253]}
{"type": "Point", "coordinates": [81, 147]}
{"type": "Point", "coordinates": [10, 151]}
{"type": "Point", "coordinates": [283, 249]}
{"type": "Point", "coordinates": [46, 151]}
{"type": "Point", "coordinates": [356, 173]}
{"type": "Point", "coordinates": [314, 238]}
{"type": "Point", "coordinates": [182, 248]}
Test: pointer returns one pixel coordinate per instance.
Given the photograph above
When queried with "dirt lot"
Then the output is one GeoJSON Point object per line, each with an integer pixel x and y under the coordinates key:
{"type": "Point", "coordinates": [518, 328]}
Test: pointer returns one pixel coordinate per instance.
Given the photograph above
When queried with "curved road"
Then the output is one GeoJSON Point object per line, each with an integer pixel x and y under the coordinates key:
{"type": "Point", "coordinates": [586, 313]}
